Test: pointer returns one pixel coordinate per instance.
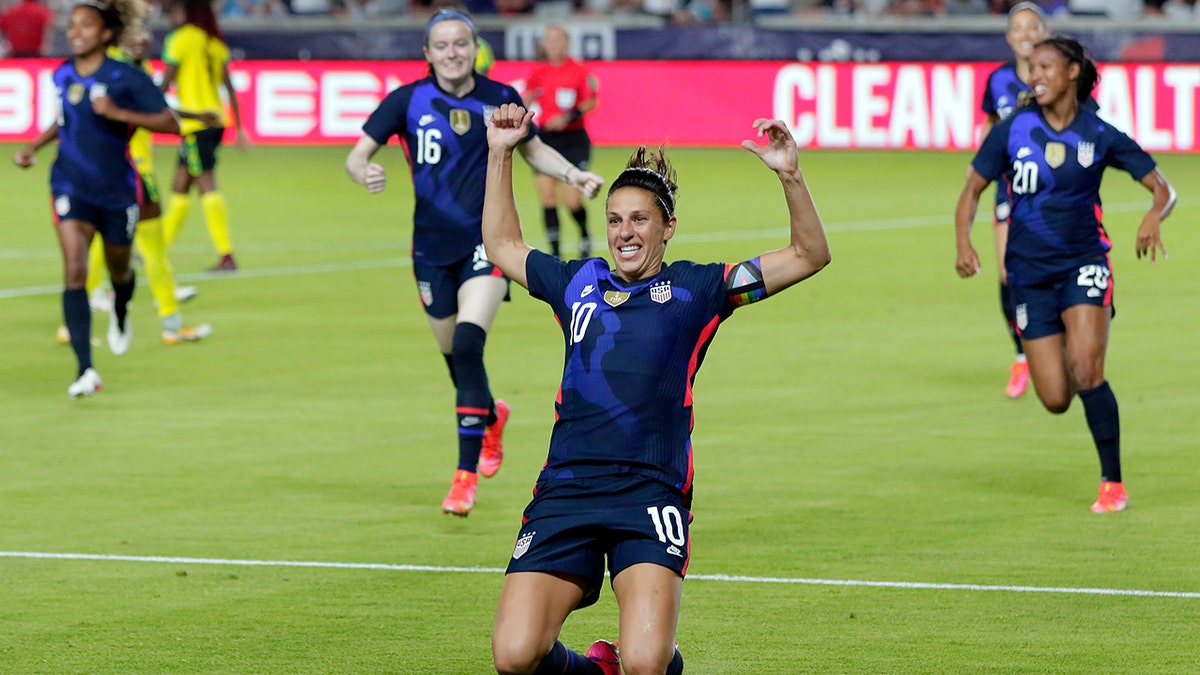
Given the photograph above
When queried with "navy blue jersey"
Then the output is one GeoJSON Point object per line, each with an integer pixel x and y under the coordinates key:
{"type": "Point", "coordinates": [93, 152]}
{"type": "Point", "coordinates": [1003, 89]}
{"type": "Point", "coordinates": [1054, 179]}
{"type": "Point", "coordinates": [632, 353]}
{"type": "Point", "coordinates": [446, 143]}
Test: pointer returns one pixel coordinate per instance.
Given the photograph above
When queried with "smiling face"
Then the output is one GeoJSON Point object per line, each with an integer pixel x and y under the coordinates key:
{"type": "Point", "coordinates": [1025, 29]}
{"type": "Point", "coordinates": [637, 232]}
{"type": "Point", "coordinates": [86, 32]}
{"type": "Point", "coordinates": [1051, 77]}
{"type": "Point", "coordinates": [450, 51]}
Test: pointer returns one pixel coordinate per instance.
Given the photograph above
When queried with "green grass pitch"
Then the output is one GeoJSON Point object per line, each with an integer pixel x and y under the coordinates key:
{"type": "Point", "coordinates": [852, 430]}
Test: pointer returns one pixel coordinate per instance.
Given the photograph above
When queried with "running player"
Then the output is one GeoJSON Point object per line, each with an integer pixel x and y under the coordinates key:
{"type": "Point", "coordinates": [1053, 155]}
{"type": "Point", "coordinates": [617, 484]}
{"type": "Point", "coordinates": [94, 185]}
{"type": "Point", "coordinates": [560, 91]}
{"type": "Point", "coordinates": [1026, 27]}
{"type": "Point", "coordinates": [440, 120]}
{"type": "Point", "coordinates": [198, 63]}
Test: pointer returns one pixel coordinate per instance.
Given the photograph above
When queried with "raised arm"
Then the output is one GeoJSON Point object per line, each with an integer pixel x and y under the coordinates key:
{"type": "Point", "coordinates": [502, 238]}
{"type": "Point", "coordinates": [362, 170]}
{"type": "Point", "coordinates": [1149, 236]}
{"type": "Point", "coordinates": [808, 250]}
{"type": "Point", "coordinates": [967, 262]}
{"type": "Point", "coordinates": [547, 160]}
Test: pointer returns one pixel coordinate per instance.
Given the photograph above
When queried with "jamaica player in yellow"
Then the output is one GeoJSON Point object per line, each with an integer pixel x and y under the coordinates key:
{"type": "Point", "coordinates": [149, 236]}
{"type": "Point", "coordinates": [197, 61]}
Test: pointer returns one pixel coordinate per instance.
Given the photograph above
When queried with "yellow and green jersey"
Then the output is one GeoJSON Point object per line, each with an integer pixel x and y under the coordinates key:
{"type": "Point", "coordinates": [201, 61]}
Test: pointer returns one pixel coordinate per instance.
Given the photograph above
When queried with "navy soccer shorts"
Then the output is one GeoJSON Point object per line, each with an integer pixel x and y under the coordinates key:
{"type": "Point", "coordinates": [571, 526]}
{"type": "Point", "coordinates": [198, 151]}
{"type": "Point", "coordinates": [1039, 308]}
{"type": "Point", "coordinates": [116, 225]}
{"type": "Point", "coordinates": [574, 145]}
{"type": "Point", "coordinates": [438, 284]}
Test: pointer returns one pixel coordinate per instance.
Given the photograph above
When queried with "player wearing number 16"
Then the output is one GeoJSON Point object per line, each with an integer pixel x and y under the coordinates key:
{"type": "Point", "coordinates": [440, 120]}
{"type": "Point", "coordinates": [1053, 153]}
{"type": "Point", "coordinates": [617, 485]}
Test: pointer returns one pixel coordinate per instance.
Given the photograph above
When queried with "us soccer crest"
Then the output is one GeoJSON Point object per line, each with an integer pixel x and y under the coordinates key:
{"type": "Point", "coordinates": [75, 93]}
{"type": "Point", "coordinates": [523, 545]}
{"type": "Point", "coordinates": [1022, 316]}
{"type": "Point", "coordinates": [614, 298]}
{"type": "Point", "coordinates": [1086, 152]}
{"type": "Point", "coordinates": [1056, 154]}
{"type": "Point", "coordinates": [460, 120]}
{"type": "Point", "coordinates": [661, 292]}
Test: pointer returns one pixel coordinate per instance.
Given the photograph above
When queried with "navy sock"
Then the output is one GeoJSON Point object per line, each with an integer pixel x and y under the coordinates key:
{"type": "Point", "coordinates": [675, 667]}
{"type": "Point", "coordinates": [1100, 408]}
{"type": "Point", "coordinates": [1010, 315]}
{"type": "Point", "coordinates": [78, 317]}
{"type": "Point", "coordinates": [450, 365]}
{"type": "Point", "coordinates": [473, 401]}
{"type": "Point", "coordinates": [563, 661]}
{"type": "Point", "coordinates": [122, 294]}
{"type": "Point", "coordinates": [550, 213]}
{"type": "Point", "coordinates": [580, 216]}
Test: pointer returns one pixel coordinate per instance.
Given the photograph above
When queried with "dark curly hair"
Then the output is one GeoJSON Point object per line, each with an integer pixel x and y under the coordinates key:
{"type": "Point", "coordinates": [650, 171]}
{"type": "Point", "coordinates": [1073, 52]}
{"type": "Point", "coordinates": [125, 18]}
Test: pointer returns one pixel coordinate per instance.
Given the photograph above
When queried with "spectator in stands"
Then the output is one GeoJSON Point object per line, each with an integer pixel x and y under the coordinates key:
{"type": "Point", "coordinates": [28, 28]}
{"type": "Point", "coordinates": [1180, 10]}
{"type": "Point", "coordinates": [245, 9]}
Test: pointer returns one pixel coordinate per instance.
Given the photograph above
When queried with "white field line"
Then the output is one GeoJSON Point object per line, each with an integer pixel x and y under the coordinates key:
{"type": "Point", "coordinates": [771, 234]}
{"type": "Point", "coordinates": [727, 578]}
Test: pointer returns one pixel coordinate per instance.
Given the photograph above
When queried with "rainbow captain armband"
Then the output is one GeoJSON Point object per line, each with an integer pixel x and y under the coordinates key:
{"type": "Point", "coordinates": [744, 283]}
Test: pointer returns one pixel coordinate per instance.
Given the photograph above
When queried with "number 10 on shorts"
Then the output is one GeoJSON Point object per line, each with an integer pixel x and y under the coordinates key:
{"type": "Point", "coordinates": [668, 523]}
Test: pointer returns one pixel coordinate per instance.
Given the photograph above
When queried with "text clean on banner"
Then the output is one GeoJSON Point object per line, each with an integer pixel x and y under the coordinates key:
{"type": "Point", "coordinates": [694, 103]}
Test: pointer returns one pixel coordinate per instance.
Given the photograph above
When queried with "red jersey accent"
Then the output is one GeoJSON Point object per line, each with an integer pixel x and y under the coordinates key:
{"type": "Point", "coordinates": [558, 89]}
{"type": "Point", "coordinates": [24, 26]}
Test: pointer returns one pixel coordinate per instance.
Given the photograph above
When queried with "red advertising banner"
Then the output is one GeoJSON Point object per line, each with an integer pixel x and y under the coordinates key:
{"type": "Point", "coordinates": [696, 103]}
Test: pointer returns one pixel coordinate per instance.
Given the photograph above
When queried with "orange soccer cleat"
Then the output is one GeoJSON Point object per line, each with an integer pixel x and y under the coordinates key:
{"type": "Point", "coordinates": [1112, 498]}
{"type": "Point", "coordinates": [492, 453]}
{"type": "Point", "coordinates": [604, 654]}
{"type": "Point", "coordinates": [1019, 381]}
{"type": "Point", "coordinates": [462, 494]}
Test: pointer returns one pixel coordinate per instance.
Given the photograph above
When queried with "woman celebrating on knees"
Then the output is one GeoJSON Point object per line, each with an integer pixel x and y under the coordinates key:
{"type": "Point", "coordinates": [617, 484]}
{"type": "Point", "coordinates": [1053, 154]}
{"type": "Point", "coordinates": [95, 187]}
{"type": "Point", "coordinates": [440, 119]}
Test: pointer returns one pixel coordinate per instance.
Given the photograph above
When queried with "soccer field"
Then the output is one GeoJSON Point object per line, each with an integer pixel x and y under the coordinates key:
{"type": "Point", "coordinates": [867, 500]}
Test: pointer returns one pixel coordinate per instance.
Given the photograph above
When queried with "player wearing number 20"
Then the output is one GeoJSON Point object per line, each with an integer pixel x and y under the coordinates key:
{"type": "Point", "coordinates": [1053, 155]}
